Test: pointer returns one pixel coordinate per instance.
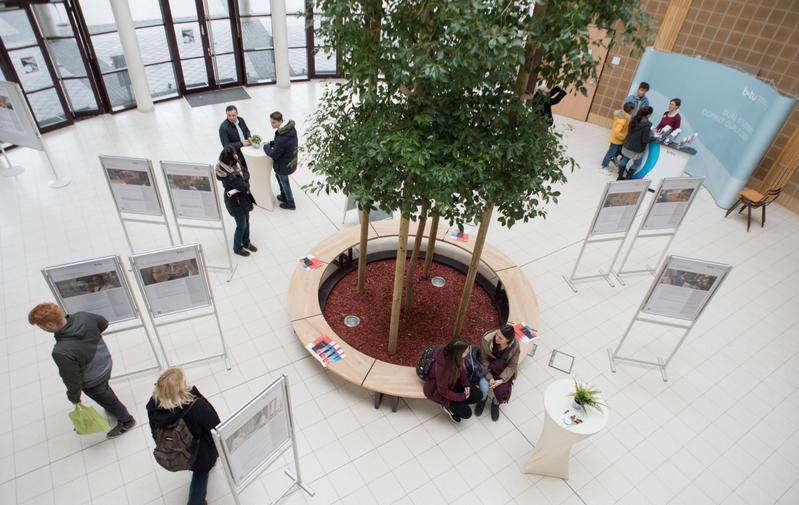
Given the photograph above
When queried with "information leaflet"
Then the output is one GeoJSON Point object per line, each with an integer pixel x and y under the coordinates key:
{"type": "Point", "coordinates": [192, 190]}
{"type": "Point", "coordinates": [92, 286]}
{"type": "Point", "coordinates": [684, 288]}
{"type": "Point", "coordinates": [132, 185]}
{"type": "Point", "coordinates": [621, 202]}
{"type": "Point", "coordinates": [256, 434]}
{"type": "Point", "coordinates": [171, 280]}
{"type": "Point", "coordinates": [671, 203]}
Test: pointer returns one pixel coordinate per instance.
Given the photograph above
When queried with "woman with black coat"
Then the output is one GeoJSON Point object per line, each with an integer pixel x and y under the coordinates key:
{"type": "Point", "coordinates": [173, 399]}
{"type": "Point", "coordinates": [639, 135]}
{"type": "Point", "coordinates": [238, 199]}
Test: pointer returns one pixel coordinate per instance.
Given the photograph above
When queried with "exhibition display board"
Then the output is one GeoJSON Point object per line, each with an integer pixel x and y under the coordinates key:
{"type": "Point", "coordinates": [18, 127]}
{"type": "Point", "coordinates": [175, 281]}
{"type": "Point", "coordinates": [256, 435]}
{"type": "Point", "coordinates": [99, 286]}
{"type": "Point", "coordinates": [612, 221]}
{"type": "Point", "coordinates": [135, 191]}
{"type": "Point", "coordinates": [682, 289]}
{"type": "Point", "coordinates": [195, 203]}
{"type": "Point", "coordinates": [664, 216]}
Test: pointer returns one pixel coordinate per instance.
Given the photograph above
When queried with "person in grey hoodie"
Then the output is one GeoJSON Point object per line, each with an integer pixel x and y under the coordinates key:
{"type": "Point", "coordinates": [83, 359]}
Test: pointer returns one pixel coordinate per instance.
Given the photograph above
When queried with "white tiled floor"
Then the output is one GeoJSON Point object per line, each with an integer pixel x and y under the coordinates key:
{"type": "Point", "coordinates": [722, 430]}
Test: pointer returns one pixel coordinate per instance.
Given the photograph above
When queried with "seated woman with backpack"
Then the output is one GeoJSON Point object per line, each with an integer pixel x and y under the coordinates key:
{"type": "Point", "coordinates": [181, 420]}
{"type": "Point", "coordinates": [499, 353]}
{"type": "Point", "coordinates": [448, 384]}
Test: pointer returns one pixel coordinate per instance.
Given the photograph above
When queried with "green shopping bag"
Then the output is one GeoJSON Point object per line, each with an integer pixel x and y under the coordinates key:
{"type": "Point", "coordinates": [87, 420]}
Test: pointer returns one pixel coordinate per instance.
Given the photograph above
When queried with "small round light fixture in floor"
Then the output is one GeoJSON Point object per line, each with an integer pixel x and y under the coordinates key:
{"type": "Point", "coordinates": [438, 281]}
{"type": "Point", "coordinates": [352, 321]}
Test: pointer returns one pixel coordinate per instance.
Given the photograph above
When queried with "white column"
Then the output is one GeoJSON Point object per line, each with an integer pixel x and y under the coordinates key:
{"type": "Point", "coordinates": [130, 47]}
{"type": "Point", "coordinates": [280, 42]}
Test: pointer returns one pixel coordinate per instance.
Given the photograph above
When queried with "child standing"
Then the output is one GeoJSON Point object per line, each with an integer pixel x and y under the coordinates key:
{"type": "Point", "coordinates": [621, 122]}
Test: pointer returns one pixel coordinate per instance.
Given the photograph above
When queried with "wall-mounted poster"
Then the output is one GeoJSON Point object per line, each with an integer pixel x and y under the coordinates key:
{"type": "Point", "coordinates": [684, 287]}
{"type": "Point", "coordinates": [619, 206]}
{"type": "Point", "coordinates": [188, 35]}
{"type": "Point", "coordinates": [132, 185]}
{"type": "Point", "coordinates": [258, 433]}
{"type": "Point", "coordinates": [671, 203]}
{"type": "Point", "coordinates": [96, 286]}
{"type": "Point", "coordinates": [192, 190]}
{"type": "Point", "coordinates": [16, 121]}
{"type": "Point", "coordinates": [172, 279]}
{"type": "Point", "coordinates": [29, 64]}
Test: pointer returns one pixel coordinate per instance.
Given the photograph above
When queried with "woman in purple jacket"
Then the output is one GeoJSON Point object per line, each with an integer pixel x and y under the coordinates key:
{"type": "Point", "coordinates": [447, 383]}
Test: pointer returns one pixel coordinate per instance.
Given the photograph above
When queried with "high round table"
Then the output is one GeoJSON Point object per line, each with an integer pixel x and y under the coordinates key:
{"type": "Point", "coordinates": [551, 455]}
{"type": "Point", "coordinates": [260, 167]}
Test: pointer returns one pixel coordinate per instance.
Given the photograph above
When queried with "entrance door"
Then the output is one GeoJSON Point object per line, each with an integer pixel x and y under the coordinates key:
{"type": "Point", "coordinates": [576, 105]}
{"type": "Point", "coordinates": [202, 33]}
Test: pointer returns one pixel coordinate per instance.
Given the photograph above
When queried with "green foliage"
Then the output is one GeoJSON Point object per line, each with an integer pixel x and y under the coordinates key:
{"type": "Point", "coordinates": [443, 123]}
{"type": "Point", "coordinates": [255, 139]}
{"type": "Point", "coordinates": [586, 396]}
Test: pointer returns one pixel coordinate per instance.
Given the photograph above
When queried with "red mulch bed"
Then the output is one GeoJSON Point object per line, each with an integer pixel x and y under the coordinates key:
{"type": "Point", "coordinates": [429, 323]}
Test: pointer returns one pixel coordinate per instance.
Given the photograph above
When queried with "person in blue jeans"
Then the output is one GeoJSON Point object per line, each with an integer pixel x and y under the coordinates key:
{"type": "Point", "coordinates": [238, 199]}
{"type": "Point", "coordinates": [283, 151]}
{"type": "Point", "coordinates": [173, 400]}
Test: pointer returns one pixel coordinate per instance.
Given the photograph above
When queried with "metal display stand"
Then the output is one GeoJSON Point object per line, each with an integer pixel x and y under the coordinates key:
{"type": "Point", "coordinates": [131, 299]}
{"type": "Point", "coordinates": [237, 486]}
{"type": "Point", "coordinates": [160, 219]}
{"type": "Point", "coordinates": [663, 232]}
{"type": "Point", "coordinates": [9, 170]}
{"type": "Point", "coordinates": [661, 364]}
{"type": "Point", "coordinates": [221, 221]}
{"type": "Point", "coordinates": [618, 236]}
{"type": "Point", "coordinates": [209, 293]}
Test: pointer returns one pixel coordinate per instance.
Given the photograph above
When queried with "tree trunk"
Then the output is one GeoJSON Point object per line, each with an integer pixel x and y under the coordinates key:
{"type": "Point", "coordinates": [396, 299]}
{"type": "Point", "coordinates": [417, 244]}
{"type": "Point", "coordinates": [431, 246]}
{"type": "Point", "coordinates": [531, 60]}
{"type": "Point", "coordinates": [479, 242]}
{"type": "Point", "coordinates": [362, 255]}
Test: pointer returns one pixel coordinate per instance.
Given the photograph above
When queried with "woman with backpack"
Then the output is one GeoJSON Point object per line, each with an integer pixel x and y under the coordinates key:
{"type": "Point", "coordinates": [499, 353]}
{"type": "Point", "coordinates": [181, 420]}
{"type": "Point", "coordinates": [447, 383]}
{"type": "Point", "coordinates": [638, 136]}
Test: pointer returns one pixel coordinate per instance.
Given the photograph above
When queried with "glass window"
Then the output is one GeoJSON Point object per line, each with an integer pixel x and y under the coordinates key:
{"type": "Point", "coordinates": [325, 62]}
{"type": "Point", "coordinates": [254, 7]}
{"type": "Point", "coordinates": [183, 10]}
{"type": "Point", "coordinates": [225, 69]}
{"type": "Point", "coordinates": [46, 107]}
{"type": "Point", "coordinates": [153, 45]}
{"type": "Point", "coordinates": [31, 68]}
{"type": "Point", "coordinates": [98, 15]}
{"type": "Point", "coordinates": [80, 95]}
{"type": "Point", "coordinates": [119, 90]}
{"type": "Point", "coordinates": [145, 13]}
{"type": "Point", "coordinates": [53, 20]}
{"type": "Point", "coordinates": [17, 31]}
{"type": "Point", "coordinates": [221, 36]}
{"type": "Point", "coordinates": [108, 49]}
{"type": "Point", "coordinates": [295, 7]}
{"type": "Point", "coordinates": [67, 58]}
{"type": "Point", "coordinates": [217, 9]}
{"type": "Point", "coordinates": [298, 62]}
{"type": "Point", "coordinates": [161, 79]}
{"type": "Point", "coordinates": [296, 31]}
{"type": "Point", "coordinates": [260, 66]}
{"type": "Point", "coordinates": [190, 44]}
{"type": "Point", "coordinates": [194, 73]}
{"type": "Point", "coordinates": [256, 33]}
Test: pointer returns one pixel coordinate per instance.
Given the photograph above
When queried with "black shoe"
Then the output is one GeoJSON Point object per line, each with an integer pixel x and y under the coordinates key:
{"type": "Point", "coordinates": [478, 408]}
{"type": "Point", "coordinates": [289, 206]}
{"type": "Point", "coordinates": [251, 248]}
{"type": "Point", "coordinates": [494, 411]}
{"type": "Point", "coordinates": [242, 252]}
{"type": "Point", "coordinates": [281, 198]}
{"type": "Point", "coordinates": [121, 428]}
{"type": "Point", "coordinates": [454, 418]}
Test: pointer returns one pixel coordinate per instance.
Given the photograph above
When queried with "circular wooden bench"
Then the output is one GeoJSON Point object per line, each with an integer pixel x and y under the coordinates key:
{"type": "Point", "coordinates": [376, 375]}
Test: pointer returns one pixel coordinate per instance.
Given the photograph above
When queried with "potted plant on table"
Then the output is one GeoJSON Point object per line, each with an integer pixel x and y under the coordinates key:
{"type": "Point", "coordinates": [585, 396]}
{"type": "Point", "coordinates": [256, 141]}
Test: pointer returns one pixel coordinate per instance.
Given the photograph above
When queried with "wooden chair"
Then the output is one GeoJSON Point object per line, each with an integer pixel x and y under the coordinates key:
{"type": "Point", "coordinates": [752, 199]}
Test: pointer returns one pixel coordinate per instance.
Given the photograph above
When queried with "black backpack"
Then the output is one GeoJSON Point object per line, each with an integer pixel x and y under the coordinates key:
{"type": "Point", "coordinates": [426, 362]}
{"type": "Point", "coordinates": [175, 446]}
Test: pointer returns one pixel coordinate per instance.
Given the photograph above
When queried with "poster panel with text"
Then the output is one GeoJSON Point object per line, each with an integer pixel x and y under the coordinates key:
{"type": "Point", "coordinates": [684, 287]}
{"type": "Point", "coordinates": [619, 206]}
{"type": "Point", "coordinates": [96, 286]}
{"type": "Point", "coordinates": [171, 280]}
{"type": "Point", "coordinates": [192, 190]}
{"type": "Point", "coordinates": [132, 185]}
{"type": "Point", "coordinates": [256, 434]}
{"type": "Point", "coordinates": [17, 125]}
{"type": "Point", "coordinates": [671, 203]}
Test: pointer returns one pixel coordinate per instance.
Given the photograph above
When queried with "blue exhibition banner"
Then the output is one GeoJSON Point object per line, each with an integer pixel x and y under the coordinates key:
{"type": "Point", "coordinates": [735, 114]}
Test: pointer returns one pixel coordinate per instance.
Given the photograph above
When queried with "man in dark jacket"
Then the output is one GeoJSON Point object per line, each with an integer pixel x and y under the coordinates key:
{"type": "Point", "coordinates": [83, 359]}
{"type": "Point", "coordinates": [234, 131]}
{"type": "Point", "coordinates": [283, 151]}
{"type": "Point", "coordinates": [544, 98]}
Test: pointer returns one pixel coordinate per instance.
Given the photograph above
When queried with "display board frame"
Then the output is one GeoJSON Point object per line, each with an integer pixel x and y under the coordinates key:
{"type": "Point", "coordinates": [160, 218]}
{"type": "Point", "coordinates": [136, 264]}
{"type": "Point", "coordinates": [226, 452]}
{"type": "Point", "coordinates": [47, 273]}
{"type": "Point", "coordinates": [693, 183]}
{"type": "Point", "coordinates": [721, 272]}
{"type": "Point", "coordinates": [609, 201]}
{"type": "Point", "coordinates": [220, 219]}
